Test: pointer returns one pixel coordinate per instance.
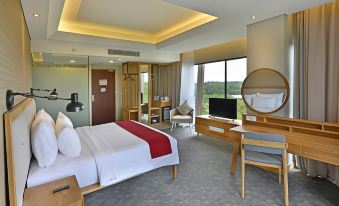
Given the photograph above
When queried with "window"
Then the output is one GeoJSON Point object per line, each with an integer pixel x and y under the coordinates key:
{"type": "Point", "coordinates": [214, 83]}
{"type": "Point", "coordinates": [222, 79]}
{"type": "Point", "coordinates": [236, 74]}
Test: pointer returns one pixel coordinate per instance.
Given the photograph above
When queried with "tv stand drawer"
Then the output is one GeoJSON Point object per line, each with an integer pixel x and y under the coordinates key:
{"type": "Point", "coordinates": [214, 127]}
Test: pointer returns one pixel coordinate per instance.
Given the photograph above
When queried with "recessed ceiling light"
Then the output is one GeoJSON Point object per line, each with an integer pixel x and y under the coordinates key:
{"type": "Point", "coordinates": [36, 15]}
{"type": "Point", "coordinates": [111, 61]}
{"type": "Point", "coordinates": [253, 17]}
{"type": "Point", "coordinates": [72, 61]}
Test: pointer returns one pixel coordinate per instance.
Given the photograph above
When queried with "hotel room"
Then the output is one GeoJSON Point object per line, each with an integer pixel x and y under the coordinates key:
{"type": "Point", "coordinates": [169, 102]}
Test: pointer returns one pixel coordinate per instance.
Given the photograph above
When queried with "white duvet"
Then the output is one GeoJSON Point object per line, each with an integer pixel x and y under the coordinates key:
{"type": "Point", "coordinates": [120, 155]}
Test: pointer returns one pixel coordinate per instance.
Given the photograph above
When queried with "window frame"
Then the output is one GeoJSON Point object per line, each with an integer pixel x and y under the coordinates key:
{"type": "Point", "coordinates": [225, 65]}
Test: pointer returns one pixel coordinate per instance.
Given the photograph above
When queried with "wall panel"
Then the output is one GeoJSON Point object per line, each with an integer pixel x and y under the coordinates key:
{"type": "Point", "coordinates": [15, 66]}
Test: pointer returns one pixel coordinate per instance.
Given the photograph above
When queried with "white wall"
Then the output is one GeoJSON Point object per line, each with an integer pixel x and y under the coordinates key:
{"type": "Point", "coordinates": [66, 80]}
{"type": "Point", "coordinates": [228, 50]}
{"type": "Point", "coordinates": [268, 46]}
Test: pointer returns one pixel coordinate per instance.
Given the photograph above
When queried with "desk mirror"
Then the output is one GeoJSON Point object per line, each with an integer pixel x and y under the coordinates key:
{"type": "Point", "coordinates": [265, 91]}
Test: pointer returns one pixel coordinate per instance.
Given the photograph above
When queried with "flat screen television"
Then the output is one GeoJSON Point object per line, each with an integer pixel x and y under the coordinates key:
{"type": "Point", "coordinates": [226, 108]}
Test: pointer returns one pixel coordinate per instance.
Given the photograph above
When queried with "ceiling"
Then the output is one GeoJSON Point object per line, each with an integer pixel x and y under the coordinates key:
{"type": "Point", "coordinates": [71, 60]}
{"type": "Point", "coordinates": [146, 22]}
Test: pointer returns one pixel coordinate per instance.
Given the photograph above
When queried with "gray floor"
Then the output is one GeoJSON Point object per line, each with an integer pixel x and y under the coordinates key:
{"type": "Point", "coordinates": [204, 179]}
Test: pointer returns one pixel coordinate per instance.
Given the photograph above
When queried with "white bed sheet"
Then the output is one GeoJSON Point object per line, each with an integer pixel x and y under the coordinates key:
{"type": "Point", "coordinates": [83, 167]}
{"type": "Point", "coordinates": [120, 155]}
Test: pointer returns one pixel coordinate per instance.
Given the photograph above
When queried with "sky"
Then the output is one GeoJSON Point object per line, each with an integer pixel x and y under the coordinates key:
{"type": "Point", "coordinates": [236, 70]}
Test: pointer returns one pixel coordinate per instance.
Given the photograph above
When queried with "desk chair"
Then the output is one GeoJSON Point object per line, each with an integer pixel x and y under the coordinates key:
{"type": "Point", "coordinates": [263, 149]}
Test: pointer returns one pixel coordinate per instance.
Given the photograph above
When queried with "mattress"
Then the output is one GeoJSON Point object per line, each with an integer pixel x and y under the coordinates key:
{"type": "Point", "coordinates": [83, 167]}
{"type": "Point", "coordinates": [109, 154]}
{"type": "Point", "coordinates": [120, 155]}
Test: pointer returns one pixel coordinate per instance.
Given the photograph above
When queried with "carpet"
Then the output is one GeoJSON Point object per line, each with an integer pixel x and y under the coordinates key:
{"type": "Point", "coordinates": [204, 179]}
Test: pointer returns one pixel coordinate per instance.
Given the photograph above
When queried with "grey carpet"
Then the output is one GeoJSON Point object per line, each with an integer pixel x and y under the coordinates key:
{"type": "Point", "coordinates": [204, 179]}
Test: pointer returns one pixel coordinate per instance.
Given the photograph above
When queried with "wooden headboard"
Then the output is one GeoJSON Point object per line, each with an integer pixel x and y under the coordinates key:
{"type": "Point", "coordinates": [18, 123]}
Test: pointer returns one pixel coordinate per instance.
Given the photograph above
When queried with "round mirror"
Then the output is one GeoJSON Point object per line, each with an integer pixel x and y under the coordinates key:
{"type": "Point", "coordinates": [265, 91]}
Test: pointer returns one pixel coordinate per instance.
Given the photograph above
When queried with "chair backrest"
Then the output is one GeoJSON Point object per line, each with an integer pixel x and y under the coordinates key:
{"type": "Point", "coordinates": [264, 137]}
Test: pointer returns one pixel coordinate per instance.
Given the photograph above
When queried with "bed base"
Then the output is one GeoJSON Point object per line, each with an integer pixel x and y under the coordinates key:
{"type": "Point", "coordinates": [96, 186]}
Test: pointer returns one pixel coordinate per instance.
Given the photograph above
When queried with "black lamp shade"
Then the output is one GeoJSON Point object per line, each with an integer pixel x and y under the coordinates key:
{"type": "Point", "coordinates": [75, 105]}
{"type": "Point", "coordinates": [53, 95]}
{"type": "Point", "coordinates": [9, 99]}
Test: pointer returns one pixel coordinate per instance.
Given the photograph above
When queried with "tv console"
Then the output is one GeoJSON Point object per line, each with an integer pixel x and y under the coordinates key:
{"type": "Point", "coordinates": [218, 128]}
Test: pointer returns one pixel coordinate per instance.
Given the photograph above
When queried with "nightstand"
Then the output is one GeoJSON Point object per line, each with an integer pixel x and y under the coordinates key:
{"type": "Point", "coordinates": [44, 195]}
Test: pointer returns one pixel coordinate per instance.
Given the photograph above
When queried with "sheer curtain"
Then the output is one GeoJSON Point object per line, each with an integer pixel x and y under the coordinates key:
{"type": "Point", "coordinates": [187, 79]}
{"type": "Point", "coordinates": [316, 35]}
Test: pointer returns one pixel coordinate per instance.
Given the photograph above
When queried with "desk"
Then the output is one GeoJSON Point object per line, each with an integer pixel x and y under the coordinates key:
{"type": "Point", "coordinates": [219, 128]}
{"type": "Point", "coordinates": [311, 139]}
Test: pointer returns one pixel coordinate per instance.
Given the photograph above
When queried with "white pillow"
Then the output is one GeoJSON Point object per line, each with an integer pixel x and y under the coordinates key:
{"type": "Point", "coordinates": [68, 139]}
{"type": "Point", "coordinates": [65, 119]}
{"type": "Point", "coordinates": [43, 141]}
{"type": "Point", "coordinates": [248, 98]}
{"type": "Point", "coordinates": [264, 103]}
{"type": "Point", "coordinates": [42, 114]}
{"type": "Point", "coordinates": [279, 97]}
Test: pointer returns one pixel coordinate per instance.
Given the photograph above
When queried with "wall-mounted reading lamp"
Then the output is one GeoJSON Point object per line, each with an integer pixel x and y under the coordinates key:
{"type": "Point", "coordinates": [73, 106]}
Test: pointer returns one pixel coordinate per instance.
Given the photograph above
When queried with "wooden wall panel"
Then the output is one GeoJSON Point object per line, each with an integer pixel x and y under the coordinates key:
{"type": "Point", "coordinates": [15, 65]}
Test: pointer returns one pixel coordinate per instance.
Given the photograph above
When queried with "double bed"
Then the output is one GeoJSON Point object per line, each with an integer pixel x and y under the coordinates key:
{"type": "Point", "coordinates": [110, 153]}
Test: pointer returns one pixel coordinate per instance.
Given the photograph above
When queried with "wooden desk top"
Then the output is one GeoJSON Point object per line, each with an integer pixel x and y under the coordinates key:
{"type": "Point", "coordinates": [155, 108]}
{"type": "Point", "coordinates": [312, 139]}
{"type": "Point", "coordinates": [131, 110]}
{"type": "Point", "coordinates": [162, 104]}
{"type": "Point", "coordinates": [43, 194]}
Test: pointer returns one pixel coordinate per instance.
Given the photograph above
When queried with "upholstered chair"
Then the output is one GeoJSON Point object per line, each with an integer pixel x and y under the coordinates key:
{"type": "Point", "coordinates": [182, 114]}
{"type": "Point", "coordinates": [266, 150]}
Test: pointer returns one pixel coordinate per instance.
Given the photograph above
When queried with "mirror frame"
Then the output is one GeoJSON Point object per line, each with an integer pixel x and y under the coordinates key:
{"type": "Point", "coordinates": [271, 70]}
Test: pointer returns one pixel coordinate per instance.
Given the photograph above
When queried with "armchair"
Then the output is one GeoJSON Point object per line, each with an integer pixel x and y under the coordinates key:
{"type": "Point", "coordinates": [176, 117]}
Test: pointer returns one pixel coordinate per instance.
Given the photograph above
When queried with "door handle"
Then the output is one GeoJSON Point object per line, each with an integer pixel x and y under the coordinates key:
{"type": "Point", "coordinates": [93, 98]}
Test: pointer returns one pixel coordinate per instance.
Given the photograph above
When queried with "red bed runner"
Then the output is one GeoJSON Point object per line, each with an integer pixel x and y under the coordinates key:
{"type": "Point", "coordinates": [159, 143]}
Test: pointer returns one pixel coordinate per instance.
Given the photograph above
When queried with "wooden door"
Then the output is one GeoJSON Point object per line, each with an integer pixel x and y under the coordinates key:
{"type": "Point", "coordinates": [103, 96]}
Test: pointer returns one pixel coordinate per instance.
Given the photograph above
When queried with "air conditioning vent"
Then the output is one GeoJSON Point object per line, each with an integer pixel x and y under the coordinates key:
{"type": "Point", "coordinates": [123, 53]}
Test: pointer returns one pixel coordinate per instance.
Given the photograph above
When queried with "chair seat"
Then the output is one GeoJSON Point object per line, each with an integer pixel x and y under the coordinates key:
{"type": "Point", "coordinates": [263, 157]}
{"type": "Point", "coordinates": [182, 119]}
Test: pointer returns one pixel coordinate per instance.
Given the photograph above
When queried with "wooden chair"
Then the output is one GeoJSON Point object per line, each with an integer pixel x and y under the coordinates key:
{"type": "Point", "coordinates": [267, 150]}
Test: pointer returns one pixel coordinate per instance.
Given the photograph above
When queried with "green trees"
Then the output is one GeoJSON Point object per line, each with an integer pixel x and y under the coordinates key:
{"type": "Point", "coordinates": [217, 90]}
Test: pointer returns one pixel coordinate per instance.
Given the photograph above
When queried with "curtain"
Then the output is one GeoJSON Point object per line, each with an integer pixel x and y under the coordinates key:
{"type": "Point", "coordinates": [316, 36]}
{"type": "Point", "coordinates": [187, 79]}
{"type": "Point", "coordinates": [200, 84]}
{"type": "Point", "coordinates": [167, 81]}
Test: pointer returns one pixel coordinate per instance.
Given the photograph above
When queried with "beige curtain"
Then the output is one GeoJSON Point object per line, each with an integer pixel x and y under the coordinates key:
{"type": "Point", "coordinates": [199, 92]}
{"type": "Point", "coordinates": [316, 33]}
{"type": "Point", "coordinates": [169, 81]}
